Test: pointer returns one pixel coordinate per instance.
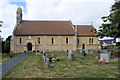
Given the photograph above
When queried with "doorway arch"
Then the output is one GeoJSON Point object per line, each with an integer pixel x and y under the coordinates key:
{"type": "Point", "coordinates": [29, 47]}
{"type": "Point", "coordinates": [83, 46]}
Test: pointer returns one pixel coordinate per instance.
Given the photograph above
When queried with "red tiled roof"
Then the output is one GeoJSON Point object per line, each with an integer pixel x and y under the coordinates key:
{"type": "Point", "coordinates": [85, 30]}
{"type": "Point", "coordinates": [44, 28]}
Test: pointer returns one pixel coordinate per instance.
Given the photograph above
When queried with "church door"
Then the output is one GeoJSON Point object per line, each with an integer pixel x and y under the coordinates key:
{"type": "Point", "coordinates": [29, 47]}
{"type": "Point", "coordinates": [83, 46]}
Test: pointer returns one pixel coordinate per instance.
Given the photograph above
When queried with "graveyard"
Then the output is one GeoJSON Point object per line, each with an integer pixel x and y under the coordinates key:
{"type": "Point", "coordinates": [62, 65]}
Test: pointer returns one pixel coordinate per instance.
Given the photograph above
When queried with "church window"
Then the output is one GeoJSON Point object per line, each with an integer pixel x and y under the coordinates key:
{"type": "Point", "coordinates": [89, 40]}
{"type": "Point", "coordinates": [52, 40]}
{"type": "Point", "coordinates": [92, 40]}
{"type": "Point", "coordinates": [38, 40]}
{"type": "Point", "coordinates": [20, 40]}
{"type": "Point", "coordinates": [66, 40]}
{"type": "Point", "coordinates": [78, 41]}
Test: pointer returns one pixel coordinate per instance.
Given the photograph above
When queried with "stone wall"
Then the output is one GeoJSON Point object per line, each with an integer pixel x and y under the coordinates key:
{"type": "Point", "coordinates": [85, 41]}
{"type": "Point", "coordinates": [45, 43]}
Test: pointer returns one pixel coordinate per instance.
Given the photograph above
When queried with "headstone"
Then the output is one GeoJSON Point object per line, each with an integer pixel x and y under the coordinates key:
{"type": "Point", "coordinates": [10, 56]}
{"type": "Point", "coordinates": [105, 52]}
{"type": "Point", "coordinates": [94, 51]}
{"type": "Point", "coordinates": [86, 51]}
{"type": "Point", "coordinates": [98, 51]}
{"type": "Point", "coordinates": [69, 55]}
{"type": "Point", "coordinates": [110, 54]}
{"type": "Point", "coordinates": [45, 56]}
{"type": "Point", "coordinates": [50, 59]}
{"type": "Point", "coordinates": [47, 64]}
{"type": "Point", "coordinates": [72, 56]}
{"type": "Point", "coordinates": [83, 53]}
{"type": "Point", "coordinates": [80, 50]}
{"type": "Point", "coordinates": [53, 59]}
{"type": "Point", "coordinates": [37, 52]}
{"type": "Point", "coordinates": [104, 57]}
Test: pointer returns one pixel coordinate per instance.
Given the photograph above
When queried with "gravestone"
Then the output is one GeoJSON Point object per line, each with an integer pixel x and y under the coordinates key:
{"type": "Point", "coordinates": [98, 51]}
{"type": "Point", "coordinates": [86, 51]}
{"type": "Point", "coordinates": [45, 56]}
{"type": "Point", "coordinates": [47, 64]}
{"type": "Point", "coordinates": [94, 51]}
{"type": "Point", "coordinates": [10, 56]}
{"type": "Point", "coordinates": [110, 54]}
{"type": "Point", "coordinates": [105, 52]}
{"type": "Point", "coordinates": [80, 50]}
{"type": "Point", "coordinates": [67, 52]}
{"type": "Point", "coordinates": [105, 57]}
{"type": "Point", "coordinates": [37, 52]}
{"type": "Point", "coordinates": [73, 58]}
{"type": "Point", "coordinates": [70, 54]}
{"type": "Point", "coordinates": [83, 53]}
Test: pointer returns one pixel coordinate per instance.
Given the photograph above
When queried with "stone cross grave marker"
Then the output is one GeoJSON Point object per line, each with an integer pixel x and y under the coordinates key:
{"type": "Point", "coordinates": [104, 57]}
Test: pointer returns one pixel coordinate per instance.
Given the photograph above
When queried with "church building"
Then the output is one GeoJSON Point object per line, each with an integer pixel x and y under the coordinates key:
{"type": "Point", "coordinates": [52, 35]}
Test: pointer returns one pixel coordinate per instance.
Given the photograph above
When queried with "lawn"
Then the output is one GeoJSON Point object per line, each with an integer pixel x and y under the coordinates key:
{"type": "Point", "coordinates": [6, 57]}
{"type": "Point", "coordinates": [33, 66]}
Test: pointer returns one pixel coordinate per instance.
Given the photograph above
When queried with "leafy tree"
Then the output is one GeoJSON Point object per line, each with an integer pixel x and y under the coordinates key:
{"type": "Point", "coordinates": [6, 45]}
{"type": "Point", "coordinates": [111, 23]}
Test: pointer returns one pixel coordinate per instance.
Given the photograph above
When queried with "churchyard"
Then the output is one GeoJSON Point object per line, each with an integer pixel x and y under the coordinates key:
{"type": "Point", "coordinates": [64, 65]}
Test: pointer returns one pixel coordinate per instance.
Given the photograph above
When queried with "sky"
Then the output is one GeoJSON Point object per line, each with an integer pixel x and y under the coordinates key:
{"type": "Point", "coordinates": [80, 12]}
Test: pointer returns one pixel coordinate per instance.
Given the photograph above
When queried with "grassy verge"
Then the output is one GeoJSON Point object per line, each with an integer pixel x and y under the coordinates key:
{"type": "Point", "coordinates": [6, 57]}
{"type": "Point", "coordinates": [33, 66]}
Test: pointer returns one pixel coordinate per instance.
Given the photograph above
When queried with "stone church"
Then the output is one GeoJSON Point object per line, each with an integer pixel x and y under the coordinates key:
{"type": "Point", "coordinates": [52, 35]}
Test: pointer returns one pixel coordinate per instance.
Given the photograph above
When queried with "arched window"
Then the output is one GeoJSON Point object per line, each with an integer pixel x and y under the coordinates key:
{"type": "Point", "coordinates": [66, 40]}
{"type": "Point", "coordinates": [92, 40]}
{"type": "Point", "coordinates": [20, 41]}
{"type": "Point", "coordinates": [38, 40]}
{"type": "Point", "coordinates": [52, 40]}
{"type": "Point", "coordinates": [78, 41]}
{"type": "Point", "coordinates": [89, 40]}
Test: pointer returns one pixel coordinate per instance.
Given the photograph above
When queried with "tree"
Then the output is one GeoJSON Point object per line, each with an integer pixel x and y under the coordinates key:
{"type": "Point", "coordinates": [1, 38]}
{"type": "Point", "coordinates": [111, 23]}
{"type": "Point", "coordinates": [6, 45]}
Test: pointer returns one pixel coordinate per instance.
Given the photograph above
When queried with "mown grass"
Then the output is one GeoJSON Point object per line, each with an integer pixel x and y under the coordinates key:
{"type": "Point", "coordinates": [6, 57]}
{"type": "Point", "coordinates": [33, 66]}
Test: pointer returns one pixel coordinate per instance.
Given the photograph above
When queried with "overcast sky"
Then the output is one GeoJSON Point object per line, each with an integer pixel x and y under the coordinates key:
{"type": "Point", "coordinates": [80, 12]}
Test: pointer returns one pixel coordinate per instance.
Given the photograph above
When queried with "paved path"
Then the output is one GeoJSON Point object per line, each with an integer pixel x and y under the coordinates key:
{"type": "Point", "coordinates": [6, 66]}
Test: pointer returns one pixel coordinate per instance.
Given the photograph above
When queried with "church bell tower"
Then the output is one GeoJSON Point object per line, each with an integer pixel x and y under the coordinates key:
{"type": "Point", "coordinates": [19, 16]}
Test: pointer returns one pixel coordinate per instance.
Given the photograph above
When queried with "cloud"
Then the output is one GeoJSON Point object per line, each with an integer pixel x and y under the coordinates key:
{"type": "Point", "coordinates": [78, 11]}
{"type": "Point", "coordinates": [7, 15]}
